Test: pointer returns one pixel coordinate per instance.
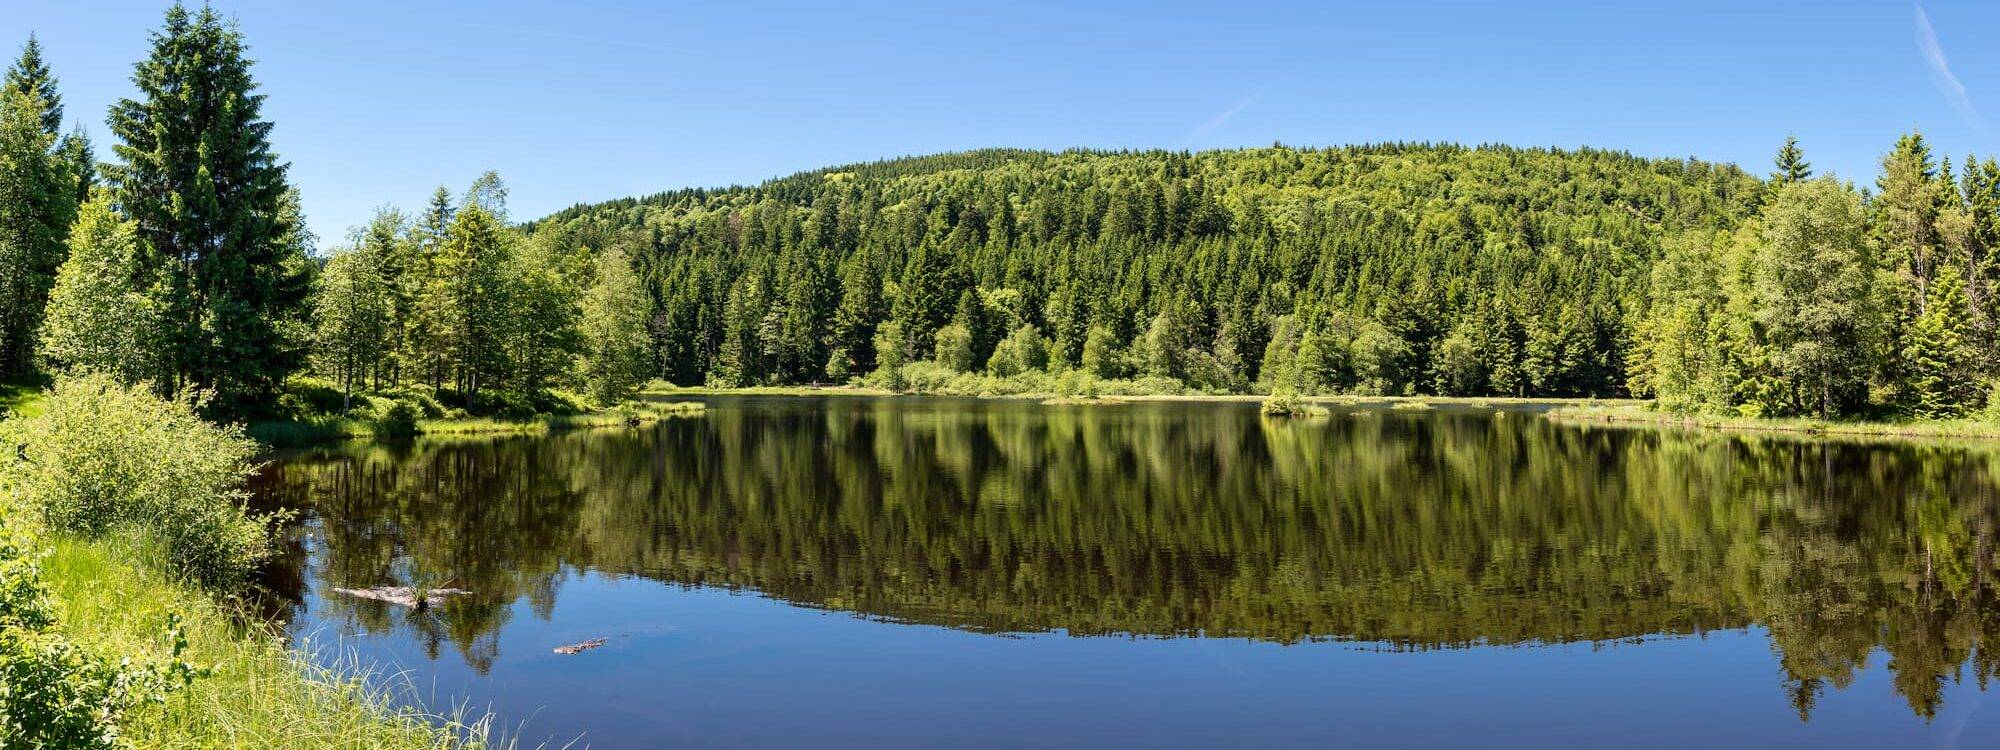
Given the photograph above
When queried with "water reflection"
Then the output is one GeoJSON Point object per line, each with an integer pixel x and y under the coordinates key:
{"type": "Point", "coordinates": [1431, 530]}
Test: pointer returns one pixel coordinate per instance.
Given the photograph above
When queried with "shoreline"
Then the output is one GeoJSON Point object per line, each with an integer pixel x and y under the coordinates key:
{"type": "Point", "coordinates": [304, 433]}
{"type": "Point", "coordinates": [1110, 399]}
{"type": "Point", "coordinates": [1633, 415]}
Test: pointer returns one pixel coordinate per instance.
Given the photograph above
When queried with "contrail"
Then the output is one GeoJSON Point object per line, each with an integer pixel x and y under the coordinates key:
{"type": "Point", "coordinates": [1221, 119]}
{"type": "Point", "coordinates": [1947, 83]}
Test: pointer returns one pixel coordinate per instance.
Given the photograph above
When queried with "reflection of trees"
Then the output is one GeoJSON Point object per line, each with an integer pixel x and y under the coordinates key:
{"type": "Point", "coordinates": [1420, 531]}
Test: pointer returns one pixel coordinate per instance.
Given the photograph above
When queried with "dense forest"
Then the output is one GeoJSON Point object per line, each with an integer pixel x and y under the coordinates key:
{"type": "Point", "coordinates": [1384, 269]}
{"type": "Point", "coordinates": [1394, 268]}
{"type": "Point", "coordinates": [1400, 268]}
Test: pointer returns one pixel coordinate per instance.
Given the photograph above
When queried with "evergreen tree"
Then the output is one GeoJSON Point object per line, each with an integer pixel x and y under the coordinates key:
{"type": "Point", "coordinates": [39, 193]}
{"type": "Point", "coordinates": [1791, 163]}
{"type": "Point", "coordinates": [36, 206]}
{"type": "Point", "coordinates": [473, 268]}
{"type": "Point", "coordinates": [30, 75]}
{"type": "Point", "coordinates": [926, 297]}
{"type": "Point", "coordinates": [1936, 354]}
{"type": "Point", "coordinates": [196, 173]}
{"type": "Point", "coordinates": [1905, 214]}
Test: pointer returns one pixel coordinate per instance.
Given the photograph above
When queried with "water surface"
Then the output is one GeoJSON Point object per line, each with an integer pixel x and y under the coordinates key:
{"type": "Point", "coordinates": [899, 572]}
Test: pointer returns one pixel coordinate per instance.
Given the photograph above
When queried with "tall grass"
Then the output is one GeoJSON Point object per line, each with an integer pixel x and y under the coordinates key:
{"type": "Point", "coordinates": [260, 694]}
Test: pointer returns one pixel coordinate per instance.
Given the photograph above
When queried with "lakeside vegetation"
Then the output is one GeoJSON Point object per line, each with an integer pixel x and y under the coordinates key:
{"type": "Point", "coordinates": [124, 541]}
{"type": "Point", "coordinates": [160, 310]}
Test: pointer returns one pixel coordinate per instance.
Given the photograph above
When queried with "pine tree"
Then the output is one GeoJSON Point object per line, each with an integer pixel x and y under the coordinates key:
{"type": "Point", "coordinates": [38, 201]}
{"type": "Point", "coordinates": [196, 173]}
{"type": "Point", "coordinates": [543, 338]}
{"type": "Point", "coordinates": [926, 297]}
{"type": "Point", "coordinates": [1905, 213]}
{"type": "Point", "coordinates": [472, 265]}
{"type": "Point", "coordinates": [1936, 358]}
{"type": "Point", "coordinates": [30, 75]}
{"type": "Point", "coordinates": [1791, 162]}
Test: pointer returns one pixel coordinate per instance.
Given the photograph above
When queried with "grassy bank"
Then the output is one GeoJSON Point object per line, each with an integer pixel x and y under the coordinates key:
{"type": "Point", "coordinates": [1109, 392]}
{"type": "Point", "coordinates": [1638, 413]}
{"type": "Point", "coordinates": [259, 693]}
{"type": "Point", "coordinates": [19, 398]}
{"type": "Point", "coordinates": [289, 433]}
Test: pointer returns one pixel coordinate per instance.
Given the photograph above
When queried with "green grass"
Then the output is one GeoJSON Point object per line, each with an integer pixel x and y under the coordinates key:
{"type": "Point", "coordinates": [19, 398]}
{"type": "Point", "coordinates": [1640, 413]}
{"type": "Point", "coordinates": [260, 695]}
{"type": "Point", "coordinates": [290, 433]}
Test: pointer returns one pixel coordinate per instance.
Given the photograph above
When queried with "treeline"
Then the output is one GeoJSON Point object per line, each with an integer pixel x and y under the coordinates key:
{"type": "Point", "coordinates": [1832, 301]}
{"type": "Point", "coordinates": [184, 263]}
{"type": "Point", "coordinates": [1394, 268]}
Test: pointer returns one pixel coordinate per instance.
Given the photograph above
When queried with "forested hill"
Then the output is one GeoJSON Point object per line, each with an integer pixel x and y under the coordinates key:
{"type": "Point", "coordinates": [1388, 268]}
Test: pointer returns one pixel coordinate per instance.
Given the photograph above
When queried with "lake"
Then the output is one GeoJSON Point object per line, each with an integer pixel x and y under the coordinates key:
{"type": "Point", "coordinates": [912, 572]}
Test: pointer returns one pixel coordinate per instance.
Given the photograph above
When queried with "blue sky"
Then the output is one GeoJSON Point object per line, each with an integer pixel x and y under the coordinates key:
{"type": "Point", "coordinates": [378, 102]}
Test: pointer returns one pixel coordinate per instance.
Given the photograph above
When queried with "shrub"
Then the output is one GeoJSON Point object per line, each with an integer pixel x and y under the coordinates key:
{"type": "Point", "coordinates": [1021, 351]}
{"type": "Point", "coordinates": [925, 377]}
{"type": "Point", "coordinates": [103, 457]}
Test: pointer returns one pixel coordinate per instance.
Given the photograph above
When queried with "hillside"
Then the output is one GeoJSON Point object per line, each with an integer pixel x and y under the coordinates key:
{"type": "Point", "coordinates": [1405, 267]}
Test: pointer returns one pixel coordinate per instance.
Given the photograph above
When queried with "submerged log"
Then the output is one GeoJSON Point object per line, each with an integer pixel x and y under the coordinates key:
{"type": "Point", "coordinates": [578, 648]}
{"type": "Point", "coordinates": [404, 595]}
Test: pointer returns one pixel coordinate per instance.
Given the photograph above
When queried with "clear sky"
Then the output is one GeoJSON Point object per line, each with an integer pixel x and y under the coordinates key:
{"type": "Point", "coordinates": [379, 102]}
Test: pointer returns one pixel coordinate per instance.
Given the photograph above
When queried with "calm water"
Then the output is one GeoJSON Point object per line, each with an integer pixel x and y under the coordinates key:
{"type": "Point", "coordinates": [852, 572]}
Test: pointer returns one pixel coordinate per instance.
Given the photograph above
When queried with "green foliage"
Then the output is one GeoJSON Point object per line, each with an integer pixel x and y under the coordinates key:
{"type": "Point", "coordinates": [56, 692]}
{"type": "Point", "coordinates": [38, 200]}
{"type": "Point", "coordinates": [102, 457]}
{"type": "Point", "coordinates": [1171, 264]}
{"type": "Point", "coordinates": [351, 303]}
{"type": "Point", "coordinates": [1936, 356]}
{"type": "Point", "coordinates": [97, 321]}
{"type": "Point", "coordinates": [617, 349]}
{"type": "Point", "coordinates": [196, 175]}
{"type": "Point", "coordinates": [954, 348]}
{"type": "Point", "coordinates": [1024, 349]}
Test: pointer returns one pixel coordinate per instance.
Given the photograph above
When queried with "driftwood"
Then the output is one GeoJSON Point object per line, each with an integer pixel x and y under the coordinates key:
{"type": "Point", "coordinates": [578, 648]}
{"type": "Point", "coordinates": [404, 595]}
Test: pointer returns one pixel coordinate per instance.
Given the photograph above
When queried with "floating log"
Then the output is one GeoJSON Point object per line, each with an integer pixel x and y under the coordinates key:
{"type": "Point", "coordinates": [403, 595]}
{"type": "Point", "coordinates": [578, 648]}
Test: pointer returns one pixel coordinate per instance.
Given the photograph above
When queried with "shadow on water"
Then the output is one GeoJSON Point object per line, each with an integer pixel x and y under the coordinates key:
{"type": "Point", "coordinates": [1411, 531]}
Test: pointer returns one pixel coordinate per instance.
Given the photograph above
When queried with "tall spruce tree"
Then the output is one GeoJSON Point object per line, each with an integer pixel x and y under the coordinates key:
{"type": "Point", "coordinates": [196, 173]}
{"type": "Point", "coordinates": [1791, 162]}
{"type": "Point", "coordinates": [37, 205]}
{"type": "Point", "coordinates": [30, 75]}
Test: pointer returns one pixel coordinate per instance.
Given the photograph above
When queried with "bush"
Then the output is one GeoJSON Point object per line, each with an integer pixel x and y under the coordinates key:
{"type": "Point", "coordinates": [102, 457]}
{"type": "Point", "coordinates": [925, 377]}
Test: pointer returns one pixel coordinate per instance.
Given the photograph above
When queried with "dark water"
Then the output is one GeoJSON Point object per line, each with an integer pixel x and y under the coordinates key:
{"type": "Point", "coordinates": [857, 572]}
